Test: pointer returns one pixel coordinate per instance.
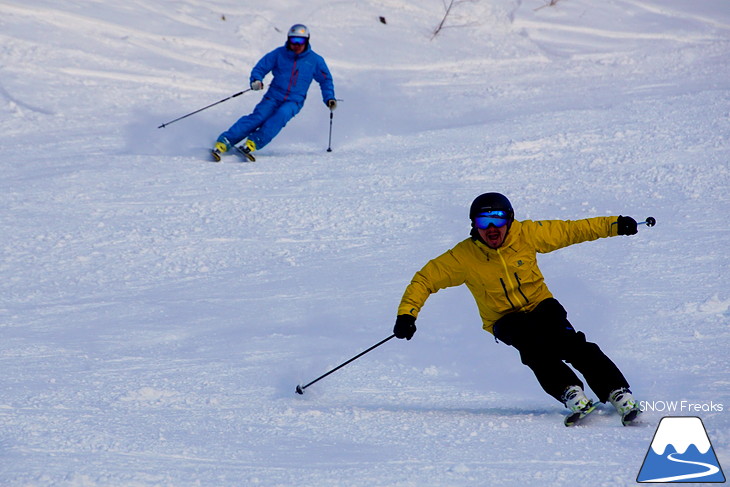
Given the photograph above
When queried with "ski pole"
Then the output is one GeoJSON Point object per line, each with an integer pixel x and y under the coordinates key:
{"type": "Point", "coordinates": [649, 222]}
{"type": "Point", "coordinates": [329, 146]}
{"type": "Point", "coordinates": [200, 110]}
{"type": "Point", "coordinates": [300, 388]}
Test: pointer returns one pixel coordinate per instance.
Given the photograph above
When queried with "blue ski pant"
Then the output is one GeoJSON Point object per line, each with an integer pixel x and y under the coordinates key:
{"type": "Point", "coordinates": [264, 123]}
{"type": "Point", "coordinates": [546, 340]}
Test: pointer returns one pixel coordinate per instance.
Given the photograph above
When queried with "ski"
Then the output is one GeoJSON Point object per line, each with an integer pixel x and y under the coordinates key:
{"type": "Point", "coordinates": [630, 416]}
{"type": "Point", "coordinates": [245, 153]}
{"type": "Point", "coordinates": [577, 417]}
{"type": "Point", "coordinates": [216, 155]}
{"type": "Point", "coordinates": [627, 419]}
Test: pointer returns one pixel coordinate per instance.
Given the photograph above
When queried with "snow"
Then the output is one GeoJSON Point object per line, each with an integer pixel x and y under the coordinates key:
{"type": "Point", "coordinates": [159, 310]}
{"type": "Point", "coordinates": [689, 430]}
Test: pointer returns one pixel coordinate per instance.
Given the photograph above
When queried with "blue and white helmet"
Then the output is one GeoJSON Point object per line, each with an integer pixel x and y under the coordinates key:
{"type": "Point", "coordinates": [298, 30]}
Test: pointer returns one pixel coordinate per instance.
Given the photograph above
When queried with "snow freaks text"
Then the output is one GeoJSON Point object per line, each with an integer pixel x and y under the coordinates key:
{"type": "Point", "coordinates": [681, 406]}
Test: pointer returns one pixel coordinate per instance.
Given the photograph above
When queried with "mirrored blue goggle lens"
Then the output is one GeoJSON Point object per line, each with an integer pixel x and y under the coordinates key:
{"type": "Point", "coordinates": [496, 218]}
{"type": "Point", "coordinates": [297, 40]}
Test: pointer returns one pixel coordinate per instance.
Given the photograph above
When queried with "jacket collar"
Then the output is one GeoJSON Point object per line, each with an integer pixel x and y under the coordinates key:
{"type": "Point", "coordinates": [293, 55]}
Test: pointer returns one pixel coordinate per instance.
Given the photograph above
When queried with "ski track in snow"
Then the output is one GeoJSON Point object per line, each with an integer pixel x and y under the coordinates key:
{"type": "Point", "coordinates": [159, 310]}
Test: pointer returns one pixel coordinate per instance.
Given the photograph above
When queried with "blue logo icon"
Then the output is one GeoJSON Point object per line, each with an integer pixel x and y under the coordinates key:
{"type": "Point", "coordinates": [681, 452]}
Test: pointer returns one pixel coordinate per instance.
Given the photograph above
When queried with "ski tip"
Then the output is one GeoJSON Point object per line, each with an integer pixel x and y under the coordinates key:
{"type": "Point", "coordinates": [245, 153]}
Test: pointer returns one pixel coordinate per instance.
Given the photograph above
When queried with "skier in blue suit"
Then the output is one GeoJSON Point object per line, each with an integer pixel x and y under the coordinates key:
{"type": "Point", "coordinates": [294, 66]}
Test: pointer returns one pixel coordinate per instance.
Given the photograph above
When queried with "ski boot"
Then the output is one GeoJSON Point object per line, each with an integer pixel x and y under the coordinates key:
{"type": "Point", "coordinates": [625, 404]}
{"type": "Point", "coordinates": [579, 405]}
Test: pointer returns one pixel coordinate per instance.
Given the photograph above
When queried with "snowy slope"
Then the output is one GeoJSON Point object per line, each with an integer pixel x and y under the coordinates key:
{"type": "Point", "coordinates": [158, 310]}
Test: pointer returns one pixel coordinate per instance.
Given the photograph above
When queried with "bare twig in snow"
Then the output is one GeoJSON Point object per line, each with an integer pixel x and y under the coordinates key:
{"type": "Point", "coordinates": [549, 4]}
{"type": "Point", "coordinates": [448, 8]}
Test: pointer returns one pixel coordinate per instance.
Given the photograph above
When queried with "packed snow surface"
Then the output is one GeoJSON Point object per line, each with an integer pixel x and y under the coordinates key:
{"type": "Point", "coordinates": [159, 309]}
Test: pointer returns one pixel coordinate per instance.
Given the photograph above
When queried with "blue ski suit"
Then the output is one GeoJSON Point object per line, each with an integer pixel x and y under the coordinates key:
{"type": "Point", "coordinates": [286, 94]}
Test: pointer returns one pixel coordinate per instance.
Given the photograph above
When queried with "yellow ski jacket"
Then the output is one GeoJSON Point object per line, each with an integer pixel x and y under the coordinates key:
{"type": "Point", "coordinates": [506, 279]}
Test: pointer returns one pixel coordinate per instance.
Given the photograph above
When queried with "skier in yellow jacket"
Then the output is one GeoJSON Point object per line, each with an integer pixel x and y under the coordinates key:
{"type": "Point", "coordinates": [498, 264]}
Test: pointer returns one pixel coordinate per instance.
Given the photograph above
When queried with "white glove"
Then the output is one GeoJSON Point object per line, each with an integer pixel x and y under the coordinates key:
{"type": "Point", "coordinates": [332, 104]}
{"type": "Point", "coordinates": [257, 85]}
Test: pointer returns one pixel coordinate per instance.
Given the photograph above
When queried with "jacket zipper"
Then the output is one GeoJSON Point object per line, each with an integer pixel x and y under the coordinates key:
{"type": "Point", "coordinates": [504, 285]}
{"type": "Point", "coordinates": [519, 288]}
{"type": "Point", "coordinates": [292, 79]}
{"type": "Point", "coordinates": [506, 294]}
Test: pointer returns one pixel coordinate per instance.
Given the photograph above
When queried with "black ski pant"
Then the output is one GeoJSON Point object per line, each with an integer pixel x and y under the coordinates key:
{"type": "Point", "coordinates": [546, 340]}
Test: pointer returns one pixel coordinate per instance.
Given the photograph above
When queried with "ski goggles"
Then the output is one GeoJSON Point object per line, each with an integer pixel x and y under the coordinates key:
{"type": "Point", "coordinates": [297, 41]}
{"type": "Point", "coordinates": [498, 218]}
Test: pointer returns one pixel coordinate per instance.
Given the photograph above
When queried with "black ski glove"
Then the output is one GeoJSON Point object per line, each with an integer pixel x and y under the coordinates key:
{"type": "Point", "coordinates": [405, 326]}
{"type": "Point", "coordinates": [626, 225]}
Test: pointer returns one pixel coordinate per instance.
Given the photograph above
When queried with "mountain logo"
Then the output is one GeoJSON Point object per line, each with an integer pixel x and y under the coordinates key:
{"type": "Point", "coordinates": [681, 452]}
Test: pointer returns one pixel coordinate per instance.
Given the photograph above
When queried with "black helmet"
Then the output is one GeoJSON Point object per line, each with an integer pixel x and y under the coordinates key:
{"type": "Point", "coordinates": [490, 202]}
